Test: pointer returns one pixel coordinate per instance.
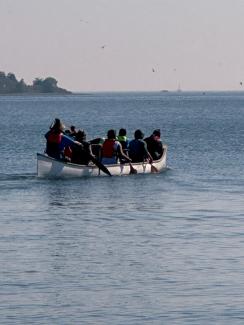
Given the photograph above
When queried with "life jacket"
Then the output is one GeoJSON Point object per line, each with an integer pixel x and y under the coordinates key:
{"type": "Point", "coordinates": [54, 138]}
{"type": "Point", "coordinates": [53, 142]}
{"type": "Point", "coordinates": [123, 140]}
{"type": "Point", "coordinates": [109, 149]}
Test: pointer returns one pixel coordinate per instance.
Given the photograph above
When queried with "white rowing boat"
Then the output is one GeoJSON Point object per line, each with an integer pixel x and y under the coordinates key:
{"type": "Point", "coordinates": [50, 167]}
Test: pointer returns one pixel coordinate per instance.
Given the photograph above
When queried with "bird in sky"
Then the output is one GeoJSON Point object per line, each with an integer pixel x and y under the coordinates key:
{"type": "Point", "coordinates": [103, 47]}
{"type": "Point", "coordinates": [153, 70]}
{"type": "Point", "coordinates": [241, 83]}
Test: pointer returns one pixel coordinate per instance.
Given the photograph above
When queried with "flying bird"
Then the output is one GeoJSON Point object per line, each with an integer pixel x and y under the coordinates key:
{"type": "Point", "coordinates": [241, 83]}
{"type": "Point", "coordinates": [153, 70]}
{"type": "Point", "coordinates": [103, 47]}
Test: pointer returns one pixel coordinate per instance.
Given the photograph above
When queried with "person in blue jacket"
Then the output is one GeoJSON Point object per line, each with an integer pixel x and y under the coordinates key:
{"type": "Point", "coordinates": [138, 148]}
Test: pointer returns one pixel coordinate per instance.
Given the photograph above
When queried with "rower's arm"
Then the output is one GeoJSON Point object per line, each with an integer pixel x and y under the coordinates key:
{"type": "Point", "coordinates": [67, 141]}
{"type": "Point", "coordinates": [121, 153]}
{"type": "Point", "coordinates": [148, 153]}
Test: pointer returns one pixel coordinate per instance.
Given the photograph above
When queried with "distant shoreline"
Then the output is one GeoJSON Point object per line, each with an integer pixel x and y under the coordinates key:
{"type": "Point", "coordinates": [80, 93]}
{"type": "Point", "coordinates": [28, 94]}
{"type": "Point", "coordinates": [9, 85]}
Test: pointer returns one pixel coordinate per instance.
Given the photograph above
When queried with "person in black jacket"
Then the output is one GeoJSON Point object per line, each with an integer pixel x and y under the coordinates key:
{"type": "Point", "coordinates": [81, 154]}
{"type": "Point", "coordinates": [154, 144]}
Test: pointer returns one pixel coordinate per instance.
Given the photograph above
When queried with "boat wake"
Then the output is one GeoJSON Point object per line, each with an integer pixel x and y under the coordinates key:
{"type": "Point", "coordinates": [17, 177]}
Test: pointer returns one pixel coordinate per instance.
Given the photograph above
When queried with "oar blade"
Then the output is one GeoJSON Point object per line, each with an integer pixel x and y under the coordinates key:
{"type": "Point", "coordinates": [132, 170]}
{"type": "Point", "coordinates": [100, 166]}
{"type": "Point", "coordinates": [154, 170]}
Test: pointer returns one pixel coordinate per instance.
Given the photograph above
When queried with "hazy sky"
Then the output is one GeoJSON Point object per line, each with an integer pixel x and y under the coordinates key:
{"type": "Point", "coordinates": [99, 45]}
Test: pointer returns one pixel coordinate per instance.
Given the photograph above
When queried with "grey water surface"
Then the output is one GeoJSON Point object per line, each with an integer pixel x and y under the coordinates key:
{"type": "Point", "coordinates": [155, 249]}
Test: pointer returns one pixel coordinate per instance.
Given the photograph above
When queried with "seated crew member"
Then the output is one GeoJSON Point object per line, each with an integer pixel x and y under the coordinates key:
{"type": "Point", "coordinates": [81, 154]}
{"type": "Point", "coordinates": [73, 131]}
{"type": "Point", "coordinates": [138, 148]}
{"type": "Point", "coordinates": [122, 138]}
{"type": "Point", "coordinates": [97, 147]}
{"type": "Point", "coordinates": [57, 140]}
{"type": "Point", "coordinates": [112, 149]}
{"type": "Point", "coordinates": [154, 144]}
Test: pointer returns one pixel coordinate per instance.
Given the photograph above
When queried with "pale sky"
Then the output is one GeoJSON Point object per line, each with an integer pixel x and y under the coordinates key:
{"type": "Point", "coordinates": [125, 45]}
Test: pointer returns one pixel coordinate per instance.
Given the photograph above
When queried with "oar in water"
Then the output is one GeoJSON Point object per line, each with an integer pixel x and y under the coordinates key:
{"type": "Point", "coordinates": [132, 169]}
{"type": "Point", "coordinates": [153, 169]}
{"type": "Point", "coordinates": [100, 165]}
{"type": "Point", "coordinates": [93, 159]}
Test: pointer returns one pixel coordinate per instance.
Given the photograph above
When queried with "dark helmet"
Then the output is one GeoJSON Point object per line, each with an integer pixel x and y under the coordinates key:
{"type": "Point", "coordinates": [157, 133]}
{"type": "Point", "coordinates": [139, 134]}
{"type": "Point", "coordinates": [111, 134]}
{"type": "Point", "coordinates": [122, 132]}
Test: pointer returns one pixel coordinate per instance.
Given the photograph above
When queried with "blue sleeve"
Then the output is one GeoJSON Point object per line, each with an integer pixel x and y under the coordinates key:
{"type": "Point", "coordinates": [66, 141]}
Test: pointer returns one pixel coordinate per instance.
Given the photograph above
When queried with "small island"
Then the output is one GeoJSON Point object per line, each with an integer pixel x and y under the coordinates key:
{"type": "Point", "coordinates": [9, 85]}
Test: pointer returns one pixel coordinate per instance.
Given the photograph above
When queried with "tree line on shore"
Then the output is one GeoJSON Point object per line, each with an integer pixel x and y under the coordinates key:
{"type": "Point", "coordinates": [10, 85]}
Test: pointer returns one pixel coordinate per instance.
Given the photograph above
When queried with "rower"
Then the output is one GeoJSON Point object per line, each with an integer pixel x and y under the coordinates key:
{"type": "Point", "coordinates": [112, 149]}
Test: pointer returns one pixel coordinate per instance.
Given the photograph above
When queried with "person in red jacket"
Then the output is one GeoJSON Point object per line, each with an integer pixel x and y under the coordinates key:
{"type": "Point", "coordinates": [112, 149]}
{"type": "Point", "coordinates": [57, 140]}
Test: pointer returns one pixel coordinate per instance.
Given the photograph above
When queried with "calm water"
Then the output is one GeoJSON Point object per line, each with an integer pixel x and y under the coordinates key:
{"type": "Point", "coordinates": [154, 249]}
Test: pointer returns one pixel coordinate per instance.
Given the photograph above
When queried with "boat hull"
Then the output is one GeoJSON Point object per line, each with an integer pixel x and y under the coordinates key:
{"type": "Point", "coordinates": [50, 167]}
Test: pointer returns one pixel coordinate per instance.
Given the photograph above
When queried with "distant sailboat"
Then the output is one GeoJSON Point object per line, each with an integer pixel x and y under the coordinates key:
{"type": "Point", "coordinates": [179, 88]}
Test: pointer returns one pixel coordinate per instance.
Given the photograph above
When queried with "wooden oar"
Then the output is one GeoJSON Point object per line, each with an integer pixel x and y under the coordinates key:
{"type": "Point", "coordinates": [94, 160]}
{"type": "Point", "coordinates": [100, 165]}
{"type": "Point", "coordinates": [153, 169]}
{"type": "Point", "coordinates": [132, 169]}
